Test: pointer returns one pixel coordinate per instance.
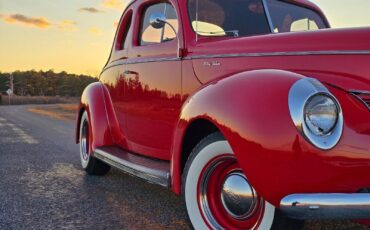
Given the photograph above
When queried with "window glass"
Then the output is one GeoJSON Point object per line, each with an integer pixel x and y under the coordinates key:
{"type": "Point", "coordinates": [125, 33]}
{"type": "Point", "coordinates": [231, 17]}
{"type": "Point", "coordinates": [287, 17]}
{"type": "Point", "coordinates": [150, 35]}
{"type": "Point", "coordinates": [303, 25]}
{"type": "Point", "coordinates": [127, 36]}
{"type": "Point", "coordinates": [168, 33]}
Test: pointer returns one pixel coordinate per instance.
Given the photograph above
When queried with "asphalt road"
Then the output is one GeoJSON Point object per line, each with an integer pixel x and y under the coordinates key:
{"type": "Point", "coordinates": [42, 185]}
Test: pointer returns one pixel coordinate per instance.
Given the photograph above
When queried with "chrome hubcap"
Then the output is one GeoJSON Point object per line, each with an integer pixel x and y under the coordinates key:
{"type": "Point", "coordinates": [84, 141]}
{"type": "Point", "coordinates": [233, 195]}
{"type": "Point", "coordinates": [239, 199]}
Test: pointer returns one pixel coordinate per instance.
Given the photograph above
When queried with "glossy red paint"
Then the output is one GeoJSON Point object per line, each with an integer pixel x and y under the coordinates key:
{"type": "Point", "coordinates": [346, 71]}
{"type": "Point", "coordinates": [92, 101]}
{"type": "Point", "coordinates": [271, 152]}
{"type": "Point", "coordinates": [146, 102]}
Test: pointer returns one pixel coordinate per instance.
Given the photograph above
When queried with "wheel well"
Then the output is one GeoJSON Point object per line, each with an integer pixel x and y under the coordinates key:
{"type": "Point", "coordinates": [196, 131]}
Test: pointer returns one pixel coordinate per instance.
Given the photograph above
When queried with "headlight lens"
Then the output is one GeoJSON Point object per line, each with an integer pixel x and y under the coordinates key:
{"type": "Point", "coordinates": [321, 114]}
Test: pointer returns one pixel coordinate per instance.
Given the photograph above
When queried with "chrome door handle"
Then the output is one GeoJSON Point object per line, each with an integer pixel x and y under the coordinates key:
{"type": "Point", "coordinates": [130, 72]}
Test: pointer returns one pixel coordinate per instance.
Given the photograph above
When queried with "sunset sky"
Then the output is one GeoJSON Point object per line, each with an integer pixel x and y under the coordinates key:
{"type": "Point", "coordinates": [76, 35]}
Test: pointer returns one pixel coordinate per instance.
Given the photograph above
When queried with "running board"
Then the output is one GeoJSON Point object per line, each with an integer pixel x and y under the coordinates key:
{"type": "Point", "coordinates": [152, 170]}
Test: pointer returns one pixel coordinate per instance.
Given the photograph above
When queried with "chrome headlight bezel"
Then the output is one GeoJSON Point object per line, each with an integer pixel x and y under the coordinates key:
{"type": "Point", "coordinates": [300, 94]}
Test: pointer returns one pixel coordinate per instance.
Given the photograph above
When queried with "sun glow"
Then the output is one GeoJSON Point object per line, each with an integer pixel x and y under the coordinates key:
{"type": "Point", "coordinates": [76, 36]}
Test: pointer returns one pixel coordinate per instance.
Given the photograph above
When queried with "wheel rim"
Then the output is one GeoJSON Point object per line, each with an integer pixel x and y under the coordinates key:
{"type": "Point", "coordinates": [84, 141]}
{"type": "Point", "coordinates": [226, 198]}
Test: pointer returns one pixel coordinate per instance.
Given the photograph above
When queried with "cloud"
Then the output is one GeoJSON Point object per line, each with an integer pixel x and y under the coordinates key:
{"type": "Point", "coordinates": [67, 25]}
{"type": "Point", "coordinates": [95, 31]}
{"type": "Point", "coordinates": [40, 22]}
{"type": "Point", "coordinates": [92, 10]}
{"type": "Point", "coordinates": [113, 4]}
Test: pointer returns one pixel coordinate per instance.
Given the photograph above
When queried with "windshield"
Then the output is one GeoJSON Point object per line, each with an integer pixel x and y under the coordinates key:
{"type": "Point", "coordinates": [249, 17]}
{"type": "Point", "coordinates": [287, 17]}
{"type": "Point", "coordinates": [230, 17]}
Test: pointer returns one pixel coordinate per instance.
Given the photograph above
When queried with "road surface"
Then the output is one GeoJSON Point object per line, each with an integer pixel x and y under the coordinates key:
{"type": "Point", "coordinates": [42, 185]}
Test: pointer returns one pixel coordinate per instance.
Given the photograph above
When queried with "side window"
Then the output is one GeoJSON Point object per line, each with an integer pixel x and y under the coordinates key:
{"type": "Point", "coordinates": [125, 34]}
{"type": "Point", "coordinates": [150, 35]}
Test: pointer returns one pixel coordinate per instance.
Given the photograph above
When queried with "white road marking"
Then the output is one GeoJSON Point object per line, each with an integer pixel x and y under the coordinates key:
{"type": "Point", "coordinates": [14, 133]}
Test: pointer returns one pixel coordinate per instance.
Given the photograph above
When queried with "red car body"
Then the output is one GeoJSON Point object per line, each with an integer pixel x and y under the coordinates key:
{"type": "Point", "coordinates": [149, 102]}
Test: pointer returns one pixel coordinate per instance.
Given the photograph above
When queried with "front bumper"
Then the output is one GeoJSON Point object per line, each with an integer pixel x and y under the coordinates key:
{"type": "Point", "coordinates": [327, 206]}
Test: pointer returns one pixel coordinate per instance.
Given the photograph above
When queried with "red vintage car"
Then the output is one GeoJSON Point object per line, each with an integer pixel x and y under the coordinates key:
{"type": "Point", "coordinates": [254, 111]}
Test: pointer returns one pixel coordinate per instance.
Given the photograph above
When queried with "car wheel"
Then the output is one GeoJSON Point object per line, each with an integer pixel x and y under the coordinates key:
{"type": "Point", "coordinates": [90, 164]}
{"type": "Point", "coordinates": [217, 193]}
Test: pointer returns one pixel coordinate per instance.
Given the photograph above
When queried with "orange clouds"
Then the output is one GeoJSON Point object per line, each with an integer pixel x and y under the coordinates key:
{"type": "Point", "coordinates": [40, 22]}
{"type": "Point", "coordinates": [92, 10]}
{"type": "Point", "coordinates": [114, 4]}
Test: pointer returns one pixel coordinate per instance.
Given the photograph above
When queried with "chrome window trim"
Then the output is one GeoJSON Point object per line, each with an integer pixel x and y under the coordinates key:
{"type": "Point", "coordinates": [268, 15]}
{"type": "Point", "coordinates": [300, 93]}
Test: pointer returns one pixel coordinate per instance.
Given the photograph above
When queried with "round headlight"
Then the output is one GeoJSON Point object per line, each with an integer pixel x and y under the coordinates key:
{"type": "Point", "coordinates": [321, 114]}
{"type": "Point", "coordinates": [316, 113]}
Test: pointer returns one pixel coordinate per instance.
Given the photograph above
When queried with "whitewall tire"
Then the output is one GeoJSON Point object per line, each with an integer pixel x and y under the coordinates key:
{"type": "Point", "coordinates": [90, 164]}
{"type": "Point", "coordinates": [217, 193]}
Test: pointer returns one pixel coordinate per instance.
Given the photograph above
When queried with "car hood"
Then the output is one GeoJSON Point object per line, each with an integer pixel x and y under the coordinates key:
{"type": "Point", "coordinates": [339, 57]}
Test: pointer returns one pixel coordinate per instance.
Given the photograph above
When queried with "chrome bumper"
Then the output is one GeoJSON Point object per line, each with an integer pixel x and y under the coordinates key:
{"type": "Point", "coordinates": [327, 206]}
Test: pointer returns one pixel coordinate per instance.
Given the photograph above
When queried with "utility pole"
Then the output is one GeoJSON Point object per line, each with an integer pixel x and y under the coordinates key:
{"type": "Point", "coordinates": [11, 82]}
{"type": "Point", "coordinates": [11, 87]}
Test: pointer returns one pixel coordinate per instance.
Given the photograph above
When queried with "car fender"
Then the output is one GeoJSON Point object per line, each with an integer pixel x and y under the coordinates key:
{"type": "Point", "coordinates": [95, 100]}
{"type": "Point", "coordinates": [251, 111]}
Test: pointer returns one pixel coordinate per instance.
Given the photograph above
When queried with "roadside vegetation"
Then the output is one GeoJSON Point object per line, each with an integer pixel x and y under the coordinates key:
{"type": "Point", "coordinates": [42, 87]}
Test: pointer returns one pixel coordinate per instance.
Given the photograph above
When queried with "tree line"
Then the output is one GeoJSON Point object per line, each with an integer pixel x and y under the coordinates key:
{"type": "Point", "coordinates": [45, 83]}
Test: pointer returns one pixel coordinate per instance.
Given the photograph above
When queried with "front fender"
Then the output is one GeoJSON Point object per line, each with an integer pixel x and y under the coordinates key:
{"type": "Point", "coordinates": [93, 101]}
{"type": "Point", "coordinates": [251, 110]}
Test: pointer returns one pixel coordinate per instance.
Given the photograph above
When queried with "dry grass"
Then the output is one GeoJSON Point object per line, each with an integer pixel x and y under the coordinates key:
{"type": "Point", "coordinates": [60, 111]}
{"type": "Point", "coordinates": [21, 100]}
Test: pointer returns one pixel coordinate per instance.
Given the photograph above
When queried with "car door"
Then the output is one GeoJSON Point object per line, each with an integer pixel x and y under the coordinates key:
{"type": "Point", "coordinates": [153, 75]}
{"type": "Point", "coordinates": [113, 76]}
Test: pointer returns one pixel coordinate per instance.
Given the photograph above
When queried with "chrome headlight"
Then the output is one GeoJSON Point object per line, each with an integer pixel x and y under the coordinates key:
{"type": "Point", "coordinates": [316, 113]}
{"type": "Point", "coordinates": [321, 114]}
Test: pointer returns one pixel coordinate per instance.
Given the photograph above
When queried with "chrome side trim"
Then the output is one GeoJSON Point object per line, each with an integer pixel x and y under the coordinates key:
{"type": "Point", "coordinates": [272, 54]}
{"type": "Point", "coordinates": [132, 167]}
{"type": "Point", "coordinates": [264, 54]}
{"type": "Point", "coordinates": [138, 61]}
{"type": "Point", "coordinates": [357, 93]}
{"type": "Point", "coordinates": [327, 206]}
{"type": "Point", "coordinates": [299, 94]}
